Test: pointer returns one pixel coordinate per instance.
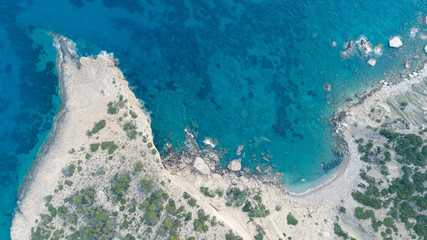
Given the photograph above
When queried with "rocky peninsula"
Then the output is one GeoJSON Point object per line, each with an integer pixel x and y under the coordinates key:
{"type": "Point", "coordinates": [99, 175]}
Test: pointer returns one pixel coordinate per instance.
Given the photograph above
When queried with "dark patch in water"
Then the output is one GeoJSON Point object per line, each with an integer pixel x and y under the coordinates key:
{"type": "Point", "coordinates": [77, 3]}
{"type": "Point", "coordinates": [205, 88]}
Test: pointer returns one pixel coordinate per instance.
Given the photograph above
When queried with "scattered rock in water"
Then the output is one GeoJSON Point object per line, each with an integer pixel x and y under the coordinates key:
{"type": "Point", "coordinates": [425, 48]}
{"type": "Point", "coordinates": [239, 150]}
{"type": "Point", "coordinates": [235, 165]}
{"type": "Point", "coordinates": [303, 180]}
{"type": "Point", "coordinates": [265, 158]}
{"type": "Point", "coordinates": [413, 32]}
{"type": "Point", "coordinates": [334, 44]}
{"type": "Point", "coordinates": [364, 46]}
{"type": "Point", "coordinates": [395, 42]}
{"type": "Point", "coordinates": [423, 36]}
{"type": "Point", "coordinates": [378, 49]}
{"type": "Point", "coordinates": [372, 62]}
{"type": "Point", "coordinates": [280, 174]}
{"type": "Point", "coordinates": [327, 87]}
{"type": "Point", "coordinates": [200, 166]}
{"type": "Point", "coordinates": [258, 169]}
{"type": "Point", "coordinates": [208, 142]}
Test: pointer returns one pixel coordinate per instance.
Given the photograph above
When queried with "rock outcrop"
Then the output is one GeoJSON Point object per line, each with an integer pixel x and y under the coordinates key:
{"type": "Point", "coordinates": [235, 165]}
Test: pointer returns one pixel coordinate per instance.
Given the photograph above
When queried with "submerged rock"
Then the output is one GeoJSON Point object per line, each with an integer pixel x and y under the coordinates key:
{"type": "Point", "coordinates": [235, 165]}
{"type": "Point", "coordinates": [395, 42]}
{"type": "Point", "coordinates": [200, 166]}
{"type": "Point", "coordinates": [327, 87]}
{"type": "Point", "coordinates": [239, 150]}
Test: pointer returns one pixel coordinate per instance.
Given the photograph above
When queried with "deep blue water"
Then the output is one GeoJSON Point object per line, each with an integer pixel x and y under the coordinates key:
{"type": "Point", "coordinates": [230, 70]}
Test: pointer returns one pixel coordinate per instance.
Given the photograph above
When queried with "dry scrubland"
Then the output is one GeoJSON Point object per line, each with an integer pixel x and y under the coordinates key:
{"type": "Point", "coordinates": [99, 176]}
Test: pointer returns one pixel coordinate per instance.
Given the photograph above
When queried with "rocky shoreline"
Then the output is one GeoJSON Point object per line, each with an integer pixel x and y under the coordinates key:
{"type": "Point", "coordinates": [134, 193]}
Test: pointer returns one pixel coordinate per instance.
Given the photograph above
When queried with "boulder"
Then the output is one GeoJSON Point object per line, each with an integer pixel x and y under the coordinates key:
{"type": "Point", "coordinates": [425, 48]}
{"type": "Point", "coordinates": [372, 62]}
{"type": "Point", "coordinates": [200, 166]}
{"type": "Point", "coordinates": [235, 165]}
{"type": "Point", "coordinates": [395, 42]}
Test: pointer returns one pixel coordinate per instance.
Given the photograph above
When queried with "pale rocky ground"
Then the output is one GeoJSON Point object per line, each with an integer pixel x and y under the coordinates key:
{"type": "Point", "coordinates": [88, 88]}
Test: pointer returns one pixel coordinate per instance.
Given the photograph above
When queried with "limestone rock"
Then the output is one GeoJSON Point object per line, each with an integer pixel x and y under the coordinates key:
{"type": "Point", "coordinates": [235, 165]}
{"type": "Point", "coordinates": [200, 166]}
{"type": "Point", "coordinates": [395, 42]}
{"type": "Point", "coordinates": [372, 62]}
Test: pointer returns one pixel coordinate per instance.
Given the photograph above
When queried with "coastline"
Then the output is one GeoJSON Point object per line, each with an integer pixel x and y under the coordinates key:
{"type": "Point", "coordinates": [317, 208]}
{"type": "Point", "coordinates": [339, 128]}
{"type": "Point", "coordinates": [53, 133]}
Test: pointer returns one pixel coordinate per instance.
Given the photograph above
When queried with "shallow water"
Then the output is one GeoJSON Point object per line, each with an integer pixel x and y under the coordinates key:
{"type": "Point", "coordinates": [231, 70]}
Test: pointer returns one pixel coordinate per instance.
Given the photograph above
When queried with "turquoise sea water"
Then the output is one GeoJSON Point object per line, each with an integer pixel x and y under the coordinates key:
{"type": "Point", "coordinates": [235, 71]}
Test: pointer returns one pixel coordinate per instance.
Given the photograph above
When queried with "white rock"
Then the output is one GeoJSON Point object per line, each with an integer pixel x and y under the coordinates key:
{"type": "Point", "coordinates": [334, 44]}
{"type": "Point", "coordinates": [235, 165]}
{"type": "Point", "coordinates": [395, 42]}
{"type": "Point", "coordinates": [200, 166]}
{"type": "Point", "coordinates": [372, 62]}
{"type": "Point", "coordinates": [425, 48]}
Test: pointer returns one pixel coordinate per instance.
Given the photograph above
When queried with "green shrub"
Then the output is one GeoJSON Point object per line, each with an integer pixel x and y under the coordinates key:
{"type": "Point", "coordinates": [186, 195]}
{"type": "Point", "coordinates": [132, 114]}
{"type": "Point", "coordinates": [68, 182]}
{"type": "Point", "coordinates": [146, 185]}
{"type": "Point", "coordinates": [230, 236]}
{"type": "Point", "coordinates": [94, 147]}
{"type": "Point", "coordinates": [192, 202]}
{"type": "Point", "coordinates": [111, 109]}
{"type": "Point", "coordinates": [69, 171]}
{"type": "Point", "coordinates": [110, 146]}
{"type": "Point", "coordinates": [339, 232]}
{"type": "Point", "coordinates": [237, 196]}
{"type": "Point", "coordinates": [120, 184]}
{"type": "Point", "coordinates": [291, 220]}
{"type": "Point", "coordinates": [98, 126]}
{"type": "Point", "coordinates": [138, 166]}
{"type": "Point", "coordinates": [206, 192]}
{"type": "Point", "coordinates": [366, 200]}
